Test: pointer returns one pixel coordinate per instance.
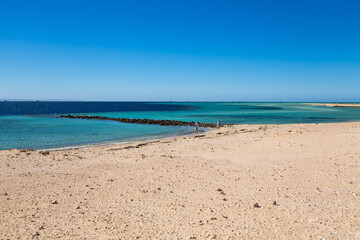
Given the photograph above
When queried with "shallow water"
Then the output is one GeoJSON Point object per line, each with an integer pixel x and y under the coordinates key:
{"type": "Point", "coordinates": [42, 130]}
{"type": "Point", "coordinates": [247, 113]}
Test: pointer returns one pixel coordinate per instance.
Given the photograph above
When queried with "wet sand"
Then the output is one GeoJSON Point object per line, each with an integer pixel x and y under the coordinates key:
{"type": "Point", "coordinates": [296, 181]}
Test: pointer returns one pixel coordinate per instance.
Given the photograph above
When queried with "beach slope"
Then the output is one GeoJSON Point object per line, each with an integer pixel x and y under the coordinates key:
{"type": "Point", "coordinates": [296, 181]}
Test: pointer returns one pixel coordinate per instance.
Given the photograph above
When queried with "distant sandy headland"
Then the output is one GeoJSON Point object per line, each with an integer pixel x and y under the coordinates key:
{"type": "Point", "coordinates": [355, 105]}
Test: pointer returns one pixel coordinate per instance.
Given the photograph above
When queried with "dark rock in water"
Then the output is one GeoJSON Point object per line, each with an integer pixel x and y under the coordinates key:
{"type": "Point", "coordinates": [141, 121]}
{"type": "Point", "coordinates": [256, 205]}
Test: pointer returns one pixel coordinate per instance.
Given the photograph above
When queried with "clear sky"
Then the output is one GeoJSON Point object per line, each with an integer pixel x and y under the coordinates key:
{"type": "Point", "coordinates": [180, 50]}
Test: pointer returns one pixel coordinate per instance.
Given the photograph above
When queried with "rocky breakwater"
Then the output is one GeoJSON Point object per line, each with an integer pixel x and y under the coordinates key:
{"type": "Point", "coordinates": [140, 121]}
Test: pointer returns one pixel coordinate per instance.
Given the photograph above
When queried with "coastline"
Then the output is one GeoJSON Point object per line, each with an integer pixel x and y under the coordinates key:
{"type": "Point", "coordinates": [202, 186]}
{"type": "Point", "coordinates": [120, 142]}
{"type": "Point", "coordinates": [156, 139]}
{"type": "Point", "coordinates": [51, 131]}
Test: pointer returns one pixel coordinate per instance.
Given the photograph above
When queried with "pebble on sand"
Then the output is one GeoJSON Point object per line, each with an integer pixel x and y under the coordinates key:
{"type": "Point", "coordinates": [44, 152]}
{"type": "Point", "coordinates": [221, 191]}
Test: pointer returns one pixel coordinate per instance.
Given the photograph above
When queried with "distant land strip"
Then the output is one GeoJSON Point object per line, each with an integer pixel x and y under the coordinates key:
{"type": "Point", "coordinates": [340, 105]}
{"type": "Point", "coordinates": [140, 121]}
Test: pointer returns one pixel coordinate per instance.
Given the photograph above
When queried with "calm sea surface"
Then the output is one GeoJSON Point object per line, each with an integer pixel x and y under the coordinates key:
{"type": "Point", "coordinates": [34, 124]}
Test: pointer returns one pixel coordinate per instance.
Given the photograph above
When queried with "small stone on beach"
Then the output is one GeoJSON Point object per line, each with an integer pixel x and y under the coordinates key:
{"type": "Point", "coordinates": [44, 152]}
{"type": "Point", "coordinates": [220, 191]}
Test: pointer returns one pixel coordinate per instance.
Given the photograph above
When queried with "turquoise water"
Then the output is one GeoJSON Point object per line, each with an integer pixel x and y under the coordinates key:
{"type": "Point", "coordinates": [46, 131]}
{"type": "Point", "coordinates": [248, 113]}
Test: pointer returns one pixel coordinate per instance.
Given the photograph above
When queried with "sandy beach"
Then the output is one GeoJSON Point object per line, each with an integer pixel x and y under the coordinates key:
{"type": "Point", "coordinates": [296, 181]}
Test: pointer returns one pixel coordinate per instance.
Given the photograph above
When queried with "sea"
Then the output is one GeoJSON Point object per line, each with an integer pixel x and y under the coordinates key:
{"type": "Point", "coordinates": [34, 124]}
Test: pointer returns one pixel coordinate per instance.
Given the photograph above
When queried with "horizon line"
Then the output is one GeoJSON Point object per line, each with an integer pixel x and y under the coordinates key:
{"type": "Point", "coordinates": [170, 101]}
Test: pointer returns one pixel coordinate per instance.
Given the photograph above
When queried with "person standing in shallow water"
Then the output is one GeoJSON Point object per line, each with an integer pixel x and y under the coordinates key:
{"type": "Point", "coordinates": [218, 124]}
{"type": "Point", "coordinates": [196, 128]}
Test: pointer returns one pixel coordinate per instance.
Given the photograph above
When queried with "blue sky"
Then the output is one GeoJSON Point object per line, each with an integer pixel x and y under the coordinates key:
{"type": "Point", "coordinates": [180, 50]}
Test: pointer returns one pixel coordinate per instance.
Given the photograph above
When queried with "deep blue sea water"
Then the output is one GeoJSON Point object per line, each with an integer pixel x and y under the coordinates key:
{"type": "Point", "coordinates": [34, 124]}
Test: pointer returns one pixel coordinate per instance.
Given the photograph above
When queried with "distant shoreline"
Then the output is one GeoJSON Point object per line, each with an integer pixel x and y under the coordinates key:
{"type": "Point", "coordinates": [350, 105]}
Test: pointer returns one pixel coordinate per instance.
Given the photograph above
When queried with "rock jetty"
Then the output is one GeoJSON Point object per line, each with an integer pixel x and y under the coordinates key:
{"type": "Point", "coordinates": [140, 121]}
